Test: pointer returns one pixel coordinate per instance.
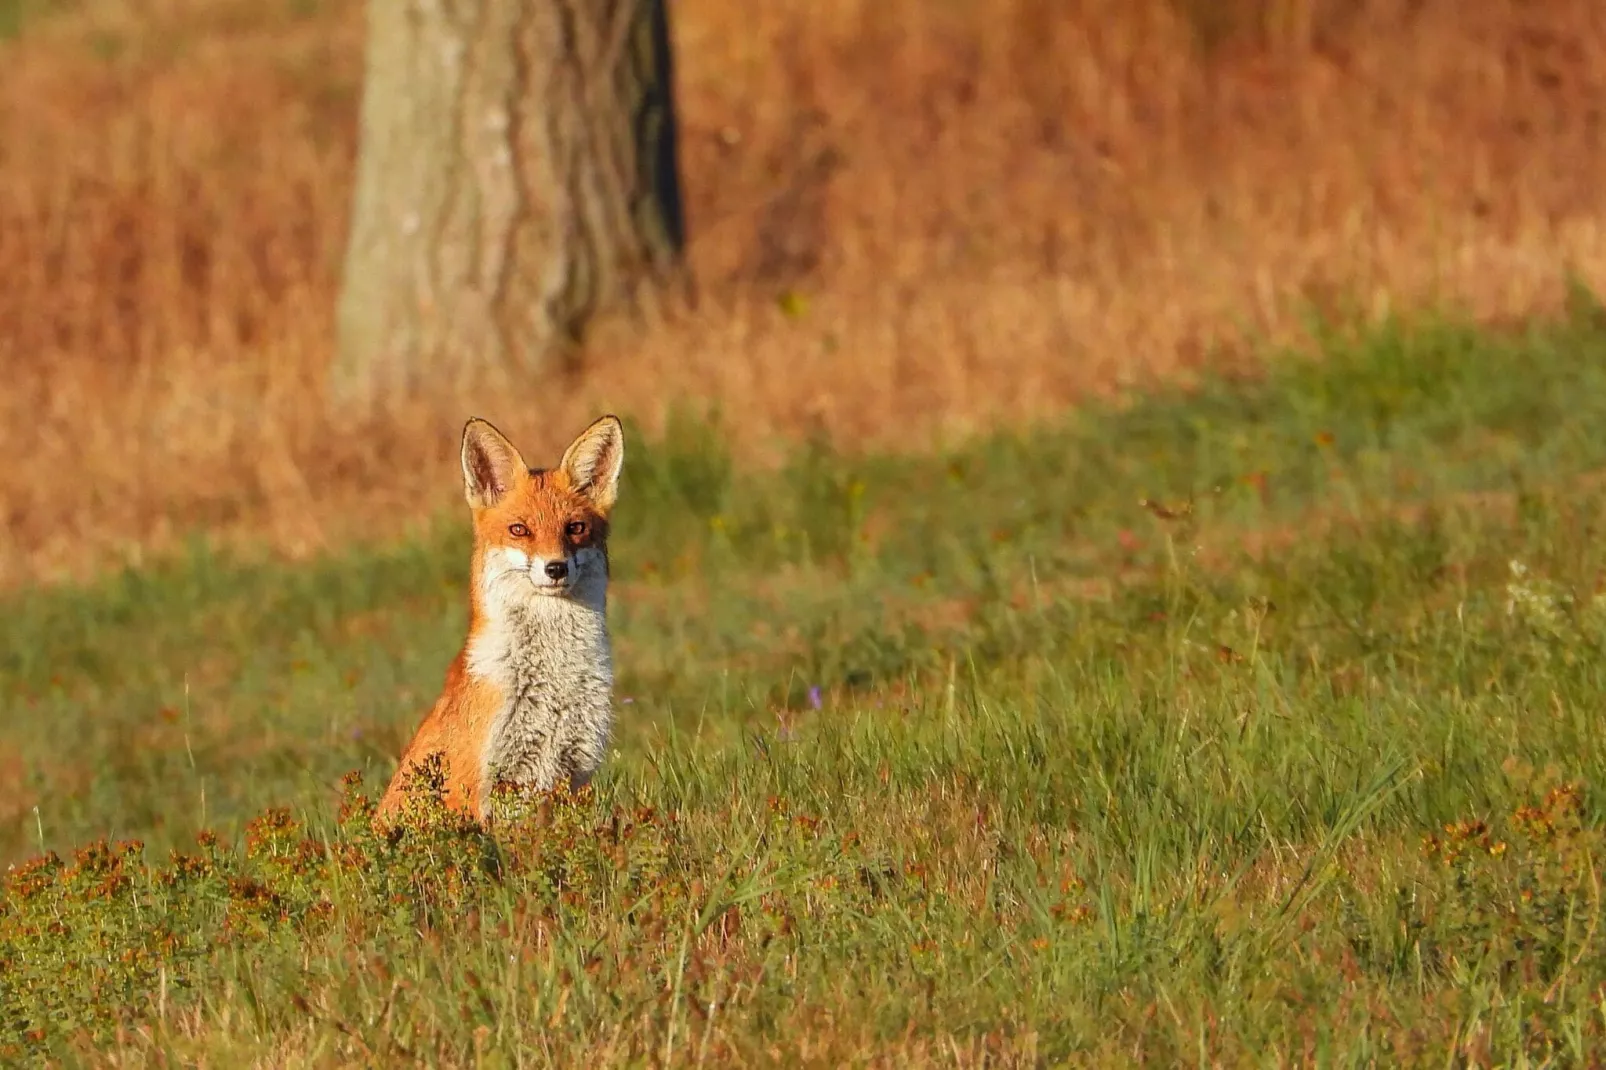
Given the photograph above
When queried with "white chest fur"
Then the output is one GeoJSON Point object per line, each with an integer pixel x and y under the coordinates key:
{"type": "Point", "coordinates": [551, 660]}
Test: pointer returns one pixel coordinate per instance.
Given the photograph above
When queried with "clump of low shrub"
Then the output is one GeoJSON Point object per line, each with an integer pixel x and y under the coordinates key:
{"type": "Point", "coordinates": [106, 940]}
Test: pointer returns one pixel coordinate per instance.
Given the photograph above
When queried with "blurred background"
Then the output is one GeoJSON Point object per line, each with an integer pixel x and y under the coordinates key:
{"type": "Point", "coordinates": [906, 222]}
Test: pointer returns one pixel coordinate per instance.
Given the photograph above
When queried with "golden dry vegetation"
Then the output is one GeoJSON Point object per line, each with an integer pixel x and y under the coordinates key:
{"type": "Point", "coordinates": [910, 221]}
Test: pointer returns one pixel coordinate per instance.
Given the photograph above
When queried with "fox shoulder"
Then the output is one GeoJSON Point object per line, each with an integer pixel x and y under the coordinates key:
{"type": "Point", "coordinates": [458, 728]}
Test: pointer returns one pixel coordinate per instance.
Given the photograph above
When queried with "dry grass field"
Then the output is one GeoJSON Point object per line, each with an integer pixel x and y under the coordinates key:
{"type": "Point", "coordinates": [910, 222]}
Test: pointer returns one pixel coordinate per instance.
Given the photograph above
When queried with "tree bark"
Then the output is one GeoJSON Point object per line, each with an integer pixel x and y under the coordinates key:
{"type": "Point", "coordinates": [517, 173]}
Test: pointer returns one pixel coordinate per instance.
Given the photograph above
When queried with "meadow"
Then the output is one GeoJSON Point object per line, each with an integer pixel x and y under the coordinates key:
{"type": "Point", "coordinates": [1108, 570]}
{"type": "Point", "coordinates": [1253, 723]}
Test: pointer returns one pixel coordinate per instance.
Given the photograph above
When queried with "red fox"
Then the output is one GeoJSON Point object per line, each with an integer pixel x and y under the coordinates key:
{"type": "Point", "coordinates": [528, 699]}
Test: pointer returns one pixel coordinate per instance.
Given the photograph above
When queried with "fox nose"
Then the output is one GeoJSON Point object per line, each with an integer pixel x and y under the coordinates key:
{"type": "Point", "coordinates": [557, 570]}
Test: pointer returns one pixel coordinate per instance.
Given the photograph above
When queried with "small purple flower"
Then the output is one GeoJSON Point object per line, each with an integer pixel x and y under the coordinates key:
{"type": "Point", "coordinates": [627, 700]}
{"type": "Point", "coordinates": [814, 698]}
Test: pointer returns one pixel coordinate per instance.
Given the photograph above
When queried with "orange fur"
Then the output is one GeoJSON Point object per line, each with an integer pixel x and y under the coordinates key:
{"type": "Point", "coordinates": [456, 729]}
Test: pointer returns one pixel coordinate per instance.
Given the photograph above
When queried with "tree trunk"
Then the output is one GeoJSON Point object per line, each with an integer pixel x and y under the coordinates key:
{"type": "Point", "coordinates": [517, 173]}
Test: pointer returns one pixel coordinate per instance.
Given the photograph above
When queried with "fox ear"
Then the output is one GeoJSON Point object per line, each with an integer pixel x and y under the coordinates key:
{"type": "Point", "coordinates": [594, 459]}
{"type": "Point", "coordinates": [491, 465]}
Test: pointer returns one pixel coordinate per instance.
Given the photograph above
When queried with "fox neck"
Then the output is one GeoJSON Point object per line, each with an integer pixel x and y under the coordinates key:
{"type": "Point", "coordinates": [550, 661]}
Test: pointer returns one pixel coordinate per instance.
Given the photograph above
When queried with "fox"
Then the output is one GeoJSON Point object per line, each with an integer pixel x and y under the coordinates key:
{"type": "Point", "coordinates": [529, 697]}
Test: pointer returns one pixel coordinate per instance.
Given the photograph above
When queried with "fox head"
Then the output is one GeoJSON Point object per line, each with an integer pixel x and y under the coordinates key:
{"type": "Point", "coordinates": [541, 533]}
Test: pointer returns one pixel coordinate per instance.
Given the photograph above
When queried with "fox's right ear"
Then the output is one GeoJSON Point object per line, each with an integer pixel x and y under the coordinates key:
{"type": "Point", "coordinates": [593, 461]}
{"type": "Point", "coordinates": [491, 465]}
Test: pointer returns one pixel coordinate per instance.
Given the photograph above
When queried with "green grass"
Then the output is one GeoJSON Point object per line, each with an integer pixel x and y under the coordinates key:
{"type": "Point", "coordinates": [17, 15]}
{"type": "Point", "coordinates": [925, 759]}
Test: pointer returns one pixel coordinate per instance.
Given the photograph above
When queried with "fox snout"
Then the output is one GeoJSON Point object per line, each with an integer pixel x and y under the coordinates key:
{"type": "Point", "coordinates": [558, 573]}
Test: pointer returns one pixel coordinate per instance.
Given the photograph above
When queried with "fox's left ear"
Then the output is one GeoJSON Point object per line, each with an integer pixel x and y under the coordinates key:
{"type": "Point", "coordinates": [594, 459]}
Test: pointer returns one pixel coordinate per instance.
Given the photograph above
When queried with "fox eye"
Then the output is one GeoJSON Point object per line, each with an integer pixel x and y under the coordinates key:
{"type": "Point", "coordinates": [576, 528]}
{"type": "Point", "coordinates": [518, 531]}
